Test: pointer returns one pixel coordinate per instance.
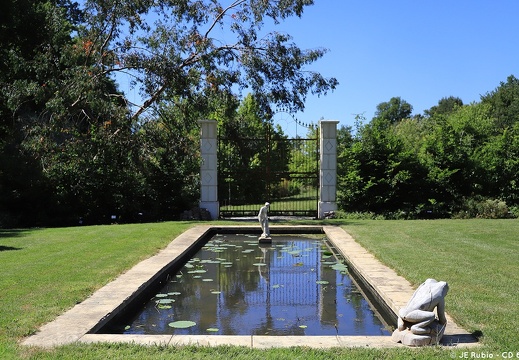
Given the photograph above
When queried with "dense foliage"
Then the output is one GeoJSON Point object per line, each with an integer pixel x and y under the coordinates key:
{"type": "Point", "coordinates": [455, 160]}
{"type": "Point", "coordinates": [75, 148]}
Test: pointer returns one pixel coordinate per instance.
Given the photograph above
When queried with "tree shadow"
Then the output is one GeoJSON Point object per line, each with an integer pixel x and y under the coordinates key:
{"type": "Point", "coordinates": [10, 233]}
{"type": "Point", "coordinates": [7, 248]}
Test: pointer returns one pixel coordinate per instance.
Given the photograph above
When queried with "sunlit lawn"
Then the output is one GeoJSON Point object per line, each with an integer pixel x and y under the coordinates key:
{"type": "Point", "coordinates": [44, 272]}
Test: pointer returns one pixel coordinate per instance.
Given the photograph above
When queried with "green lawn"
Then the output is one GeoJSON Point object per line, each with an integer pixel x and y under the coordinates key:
{"type": "Point", "coordinates": [44, 272]}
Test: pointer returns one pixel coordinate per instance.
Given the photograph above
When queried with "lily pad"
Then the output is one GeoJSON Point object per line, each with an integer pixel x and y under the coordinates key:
{"type": "Point", "coordinates": [198, 271]}
{"type": "Point", "coordinates": [164, 307]}
{"type": "Point", "coordinates": [303, 326]}
{"type": "Point", "coordinates": [259, 264]}
{"type": "Point", "coordinates": [322, 282]}
{"type": "Point", "coordinates": [182, 324]}
{"type": "Point", "coordinates": [212, 330]}
{"type": "Point", "coordinates": [161, 295]}
{"type": "Point", "coordinates": [339, 267]}
{"type": "Point", "coordinates": [174, 293]}
{"type": "Point", "coordinates": [165, 301]}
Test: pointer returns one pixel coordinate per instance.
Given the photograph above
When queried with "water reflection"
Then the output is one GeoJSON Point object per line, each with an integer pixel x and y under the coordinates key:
{"type": "Point", "coordinates": [234, 286]}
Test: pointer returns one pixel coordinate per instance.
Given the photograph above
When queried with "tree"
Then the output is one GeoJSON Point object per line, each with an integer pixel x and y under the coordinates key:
{"type": "Point", "coordinates": [394, 110]}
{"type": "Point", "coordinates": [378, 173]}
{"type": "Point", "coordinates": [504, 101]}
{"type": "Point", "coordinates": [172, 50]}
{"type": "Point", "coordinates": [303, 164]}
{"type": "Point", "coordinates": [445, 106]}
{"type": "Point", "coordinates": [253, 154]}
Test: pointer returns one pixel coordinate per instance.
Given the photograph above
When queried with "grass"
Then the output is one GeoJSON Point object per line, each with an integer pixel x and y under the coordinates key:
{"type": "Point", "coordinates": [44, 272]}
{"type": "Point", "coordinates": [478, 258]}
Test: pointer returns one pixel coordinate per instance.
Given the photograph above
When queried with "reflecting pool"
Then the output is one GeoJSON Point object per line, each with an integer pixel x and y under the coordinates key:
{"type": "Point", "coordinates": [234, 286]}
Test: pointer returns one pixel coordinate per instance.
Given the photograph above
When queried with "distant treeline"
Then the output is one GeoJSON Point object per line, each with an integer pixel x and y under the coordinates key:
{"type": "Point", "coordinates": [455, 160]}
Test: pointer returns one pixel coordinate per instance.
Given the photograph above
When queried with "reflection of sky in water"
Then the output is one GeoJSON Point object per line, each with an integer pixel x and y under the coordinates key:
{"type": "Point", "coordinates": [291, 287]}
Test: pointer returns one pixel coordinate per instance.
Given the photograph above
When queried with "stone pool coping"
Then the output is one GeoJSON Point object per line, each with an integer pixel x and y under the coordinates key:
{"type": "Point", "coordinates": [74, 325]}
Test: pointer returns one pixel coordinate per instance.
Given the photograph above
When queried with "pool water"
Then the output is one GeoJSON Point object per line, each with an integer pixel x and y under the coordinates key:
{"type": "Point", "coordinates": [236, 286]}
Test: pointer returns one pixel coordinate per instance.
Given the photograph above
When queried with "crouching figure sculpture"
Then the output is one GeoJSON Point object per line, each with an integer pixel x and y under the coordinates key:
{"type": "Point", "coordinates": [418, 324]}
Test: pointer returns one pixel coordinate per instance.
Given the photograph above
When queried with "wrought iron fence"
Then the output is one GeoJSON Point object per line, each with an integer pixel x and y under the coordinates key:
{"type": "Point", "coordinates": [281, 171]}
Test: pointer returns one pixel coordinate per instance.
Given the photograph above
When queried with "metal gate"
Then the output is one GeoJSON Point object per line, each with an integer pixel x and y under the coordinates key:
{"type": "Point", "coordinates": [274, 169]}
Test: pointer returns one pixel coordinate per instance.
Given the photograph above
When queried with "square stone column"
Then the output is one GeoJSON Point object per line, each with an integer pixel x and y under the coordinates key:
{"type": "Point", "coordinates": [209, 167]}
{"type": "Point", "coordinates": [328, 167]}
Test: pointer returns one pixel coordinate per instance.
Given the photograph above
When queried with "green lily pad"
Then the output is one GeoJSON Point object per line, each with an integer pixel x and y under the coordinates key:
{"type": "Point", "coordinates": [207, 280]}
{"type": "Point", "coordinates": [212, 330]}
{"type": "Point", "coordinates": [198, 271]}
{"type": "Point", "coordinates": [339, 267]}
{"type": "Point", "coordinates": [164, 307]}
{"type": "Point", "coordinates": [259, 264]}
{"type": "Point", "coordinates": [174, 293]}
{"type": "Point", "coordinates": [216, 292]}
{"type": "Point", "coordinates": [182, 324]}
{"type": "Point", "coordinates": [165, 301]}
{"type": "Point", "coordinates": [322, 282]}
{"type": "Point", "coordinates": [303, 326]}
{"type": "Point", "coordinates": [161, 295]}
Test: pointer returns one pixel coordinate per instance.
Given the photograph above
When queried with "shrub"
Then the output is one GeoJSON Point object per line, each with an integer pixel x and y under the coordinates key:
{"type": "Point", "coordinates": [484, 209]}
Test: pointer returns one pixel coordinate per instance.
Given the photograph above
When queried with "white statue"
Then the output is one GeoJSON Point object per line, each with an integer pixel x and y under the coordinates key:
{"type": "Point", "coordinates": [417, 321]}
{"type": "Point", "coordinates": [264, 220]}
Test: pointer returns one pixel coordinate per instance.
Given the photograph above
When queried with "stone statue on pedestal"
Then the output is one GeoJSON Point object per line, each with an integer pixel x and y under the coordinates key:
{"type": "Point", "coordinates": [418, 324]}
{"type": "Point", "coordinates": [264, 221]}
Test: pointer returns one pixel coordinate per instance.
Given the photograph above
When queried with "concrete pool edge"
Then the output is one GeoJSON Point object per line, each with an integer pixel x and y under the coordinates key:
{"type": "Point", "coordinates": [75, 324]}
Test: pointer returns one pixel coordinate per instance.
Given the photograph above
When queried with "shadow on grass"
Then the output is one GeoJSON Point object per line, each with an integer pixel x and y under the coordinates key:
{"type": "Point", "coordinates": [478, 334]}
{"type": "Point", "coordinates": [7, 248]}
{"type": "Point", "coordinates": [10, 234]}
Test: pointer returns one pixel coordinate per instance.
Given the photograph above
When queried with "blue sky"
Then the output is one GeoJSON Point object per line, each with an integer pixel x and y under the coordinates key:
{"type": "Point", "coordinates": [420, 50]}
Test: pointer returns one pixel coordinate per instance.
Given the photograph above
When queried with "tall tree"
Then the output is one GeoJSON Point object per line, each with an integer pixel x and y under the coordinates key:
{"type": "Point", "coordinates": [176, 49]}
{"type": "Point", "coordinates": [445, 106]}
{"type": "Point", "coordinates": [504, 101]}
{"type": "Point", "coordinates": [253, 154]}
{"type": "Point", "coordinates": [395, 110]}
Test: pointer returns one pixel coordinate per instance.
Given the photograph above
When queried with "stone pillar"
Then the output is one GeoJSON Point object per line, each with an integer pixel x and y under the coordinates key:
{"type": "Point", "coordinates": [328, 167]}
{"type": "Point", "coordinates": [209, 167]}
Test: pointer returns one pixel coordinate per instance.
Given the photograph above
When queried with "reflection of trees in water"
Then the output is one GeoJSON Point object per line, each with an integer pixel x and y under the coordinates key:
{"type": "Point", "coordinates": [272, 299]}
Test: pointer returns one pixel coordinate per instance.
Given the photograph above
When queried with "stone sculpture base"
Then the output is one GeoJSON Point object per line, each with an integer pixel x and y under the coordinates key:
{"type": "Point", "coordinates": [406, 337]}
{"type": "Point", "coordinates": [265, 240]}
